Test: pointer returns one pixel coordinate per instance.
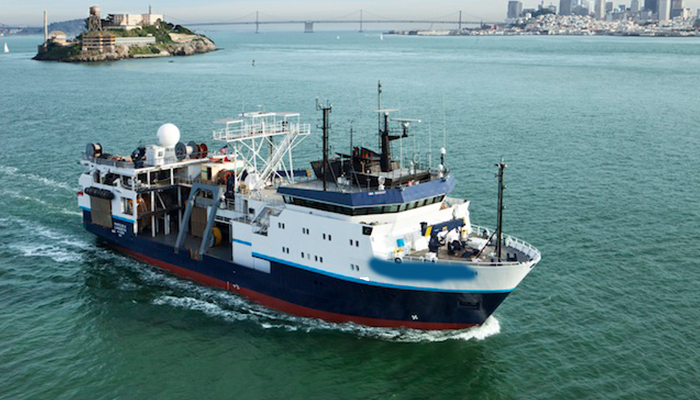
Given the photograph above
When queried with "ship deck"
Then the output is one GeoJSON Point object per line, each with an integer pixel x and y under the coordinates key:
{"type": "Point", "coordinates": [488, 255]}
{"type": "Point", "coordinates": [222, 252]}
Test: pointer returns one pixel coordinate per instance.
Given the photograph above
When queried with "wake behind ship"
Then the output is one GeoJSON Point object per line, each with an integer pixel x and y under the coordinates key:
{"type": "Point", "coordinates": [365, 238]}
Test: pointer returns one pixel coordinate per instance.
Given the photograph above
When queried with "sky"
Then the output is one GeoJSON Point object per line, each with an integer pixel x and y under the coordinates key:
{"type": "Point", "coordinates": [29, 12]}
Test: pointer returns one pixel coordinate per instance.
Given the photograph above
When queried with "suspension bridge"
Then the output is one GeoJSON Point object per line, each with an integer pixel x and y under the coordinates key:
{"type": "Point", "coordinates": [360, 18]}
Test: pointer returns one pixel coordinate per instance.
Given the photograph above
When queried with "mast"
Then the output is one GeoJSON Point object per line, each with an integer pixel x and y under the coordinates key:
{"type": "Point", "coordinates": [325, 127]}
{"type": "Point", "coordinates": [385, 161]}
{"type": "Point", "coordinates": [379, 107]}
{"type": "Point", "coordinates": [499, 226]}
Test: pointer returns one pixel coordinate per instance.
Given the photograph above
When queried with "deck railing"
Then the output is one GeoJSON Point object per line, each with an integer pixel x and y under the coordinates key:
{"type": "Point", "coordinates": [531, 252]}
{"type": "Point", "coordinates": [260, 129]}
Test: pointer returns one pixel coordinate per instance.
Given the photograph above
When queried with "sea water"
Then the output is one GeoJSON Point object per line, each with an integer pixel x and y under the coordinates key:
{"type": "Point", "coordinates": [601, 136]}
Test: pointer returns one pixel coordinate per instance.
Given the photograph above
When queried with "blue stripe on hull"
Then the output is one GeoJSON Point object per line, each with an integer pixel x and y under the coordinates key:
{"type": "Point", "coordinates": [321, 292]}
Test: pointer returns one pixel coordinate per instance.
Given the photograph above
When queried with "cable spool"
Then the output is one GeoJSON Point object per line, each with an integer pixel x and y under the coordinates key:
{"type": "Point", "coordinates": [203, 151]}
{"type": "Point", "coordinates": [93, 150]}
{"type": "Point", "coordinates": [192, 150]}
{"type": "Point", "coordinates": [181, 151]}
{"type": "Point", "coordinates": [223, 176]}
{"type": "Point", "coordinates": [99, 193]}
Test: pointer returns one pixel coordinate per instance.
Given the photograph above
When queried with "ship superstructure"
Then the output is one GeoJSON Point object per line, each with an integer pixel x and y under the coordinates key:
{"type": "Point", "coordinates": [358, 237]}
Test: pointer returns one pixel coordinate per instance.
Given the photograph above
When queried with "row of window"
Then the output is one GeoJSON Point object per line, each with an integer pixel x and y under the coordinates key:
{"type": "Point", "coordinates": [285, 250]}
{"type": "Point", "coordinates": [281, 225]}
{"type": "Point", "coordinates": [386, 209]}
{"type": "Point", "coordinates": [308, 256]}
{"type": "Point", "coordinates": [328, 236]}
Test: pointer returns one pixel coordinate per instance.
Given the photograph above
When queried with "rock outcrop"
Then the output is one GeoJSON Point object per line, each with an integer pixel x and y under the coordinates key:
{"type": "Point", "coordinates": [183, 46]}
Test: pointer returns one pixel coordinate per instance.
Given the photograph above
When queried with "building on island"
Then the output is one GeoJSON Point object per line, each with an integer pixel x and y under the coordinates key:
{"type": "Point", "coordinates": [104, 42]}
{"type": "Point", "coordinates": [132, 21]}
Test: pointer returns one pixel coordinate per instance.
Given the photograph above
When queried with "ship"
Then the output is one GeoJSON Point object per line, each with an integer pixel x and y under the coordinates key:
{"type": "Point", "coordinates": [364, 237]}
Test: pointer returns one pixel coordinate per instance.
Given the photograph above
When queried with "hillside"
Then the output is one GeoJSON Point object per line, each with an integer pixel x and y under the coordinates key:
{"type": "Point", "coordinates": [166, 39]}
{"type": "Point", "coordinates": [72, 28]}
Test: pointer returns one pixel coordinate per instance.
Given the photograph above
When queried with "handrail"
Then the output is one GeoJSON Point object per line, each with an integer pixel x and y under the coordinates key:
{"type": "Point", "coordinates": [534, 255]}
{"type": "Point", "coordinates": [260, 129]}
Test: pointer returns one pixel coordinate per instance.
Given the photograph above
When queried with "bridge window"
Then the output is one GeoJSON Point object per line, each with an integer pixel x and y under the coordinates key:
{"type": "Point", "coordinates": [383, 209]}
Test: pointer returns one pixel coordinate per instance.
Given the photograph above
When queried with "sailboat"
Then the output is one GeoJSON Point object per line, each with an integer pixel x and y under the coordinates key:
{"type": "Point", "coordinates": [7, 50]}
{"type": "Point", "coordinates": [381, 36]}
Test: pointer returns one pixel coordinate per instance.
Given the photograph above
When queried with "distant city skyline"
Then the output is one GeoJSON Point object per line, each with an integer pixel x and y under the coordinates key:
{"type": "Point", "coordinates": [29, 12]}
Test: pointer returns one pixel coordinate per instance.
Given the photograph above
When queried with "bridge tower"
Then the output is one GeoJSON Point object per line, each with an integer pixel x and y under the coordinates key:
{"type": "Point", "coordinates": [257, 22]}
{"type": "Point", "coordinates": [361, 21]}
{"type": "Point", "coordinates": [460, 20]}
{"type": "Point", "coordinates": [308, 27]}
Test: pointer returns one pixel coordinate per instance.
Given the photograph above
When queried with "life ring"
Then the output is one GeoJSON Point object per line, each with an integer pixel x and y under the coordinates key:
{"type": "Point", "coordinates": [398, 260]}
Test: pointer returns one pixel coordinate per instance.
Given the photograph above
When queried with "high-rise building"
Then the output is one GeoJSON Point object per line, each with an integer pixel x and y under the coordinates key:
{"type": "Point", "coordinates": [599, 9]}
{"type": "Point", "coordinates": [651, 5]}
{"type": "Point", "coordinates": [634, 6]}
{"type": "Point", "coordinates": [609, 7]}
{"type": "Point", "coordinates": [677, 8]}
{"type": "Point", "coordinates": [565, 7]}
{"type": "Point", "coordinates": [664, 10]}
{"type": "Point", "coordinates": [515, 9]}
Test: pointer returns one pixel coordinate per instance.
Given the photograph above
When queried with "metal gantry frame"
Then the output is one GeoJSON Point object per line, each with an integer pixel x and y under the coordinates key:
{"type": "Point", "coordinates": [252, 133]}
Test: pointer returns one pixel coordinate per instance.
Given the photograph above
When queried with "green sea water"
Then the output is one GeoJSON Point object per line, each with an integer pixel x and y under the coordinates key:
{"type": "Point", "coordinates": [602, 138]}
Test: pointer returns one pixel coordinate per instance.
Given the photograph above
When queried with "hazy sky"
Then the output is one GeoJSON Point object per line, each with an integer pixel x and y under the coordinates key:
{"type": "Point", "coordinates": [30, 11]}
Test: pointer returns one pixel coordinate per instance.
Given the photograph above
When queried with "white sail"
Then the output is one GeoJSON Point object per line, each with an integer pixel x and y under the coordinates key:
{"type": "Point", "coordinates": [7, 50]}
{"type": "Point", "coordinates": [381, 36]}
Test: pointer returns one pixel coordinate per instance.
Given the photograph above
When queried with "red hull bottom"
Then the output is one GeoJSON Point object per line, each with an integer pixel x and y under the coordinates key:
{"type": "Point", "coordinates": [288, 307]}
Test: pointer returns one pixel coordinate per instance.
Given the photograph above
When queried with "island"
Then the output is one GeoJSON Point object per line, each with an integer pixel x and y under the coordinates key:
{"type": "Point", "coordinates": [121, 36]}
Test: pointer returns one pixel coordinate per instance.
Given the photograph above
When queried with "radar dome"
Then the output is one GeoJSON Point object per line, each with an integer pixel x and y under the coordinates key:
{"type": "Point", "coordinates": [168, 135]}
{"type": "Point", "coordinates": [95, 10]}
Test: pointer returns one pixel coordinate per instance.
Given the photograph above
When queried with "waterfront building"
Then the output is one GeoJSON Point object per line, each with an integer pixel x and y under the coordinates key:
{"type": "Point", "coordinates": [651, 5]}
{"type": "Point", "coordinates": [664, 10]}
{"type": "Point", "coordinates": [634, 6]}
{"type": "Point", "coordinates": [565, 7]}
{"type": "Point", "coordinates": [677, 9]}
{"type": "Point", "coordinates": [599, 9]}
{"type": "Point", "coordinates": [515, 9]}
{"type": "Point", "coordinates": [581, 11]}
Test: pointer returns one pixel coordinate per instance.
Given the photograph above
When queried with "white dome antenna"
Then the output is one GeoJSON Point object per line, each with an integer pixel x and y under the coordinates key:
{"type": "Point", "coordinates": [168, 135]}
